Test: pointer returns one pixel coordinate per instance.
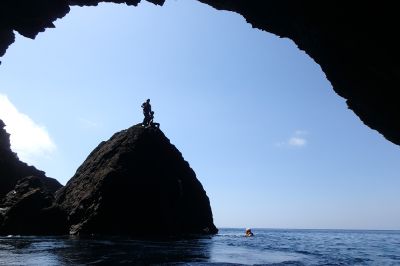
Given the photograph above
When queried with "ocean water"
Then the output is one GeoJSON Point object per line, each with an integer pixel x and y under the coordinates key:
{"type": "Point", "coordinates": [229, 247]}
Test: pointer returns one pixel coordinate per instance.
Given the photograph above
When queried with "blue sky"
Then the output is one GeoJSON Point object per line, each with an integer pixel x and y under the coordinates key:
{"type": "Point", "coordinates": [255, 117]}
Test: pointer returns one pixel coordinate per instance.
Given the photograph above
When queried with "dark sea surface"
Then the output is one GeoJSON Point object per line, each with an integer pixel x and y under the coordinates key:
{"type": "Point", "coordinates": [267, 247]}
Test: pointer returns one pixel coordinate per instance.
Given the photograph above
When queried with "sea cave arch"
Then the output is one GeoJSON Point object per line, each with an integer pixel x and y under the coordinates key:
{"type": "Point", "coordinates": [353, 44]}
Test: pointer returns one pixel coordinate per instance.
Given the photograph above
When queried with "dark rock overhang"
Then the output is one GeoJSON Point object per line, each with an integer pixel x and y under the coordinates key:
{"type": "Point", "coordinates": [354, 42]}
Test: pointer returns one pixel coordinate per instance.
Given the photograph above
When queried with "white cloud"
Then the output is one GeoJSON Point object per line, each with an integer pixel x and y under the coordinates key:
{"type": "Point", "coordinates": [28, 139]}
{"type": "Point", "coordinates": [298, 139]}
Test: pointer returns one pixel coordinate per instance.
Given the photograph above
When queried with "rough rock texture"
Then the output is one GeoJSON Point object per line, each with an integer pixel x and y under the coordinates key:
{"type": "Point", "coordinates": [12, 169]}
{"type": "Point", "coordinates": [355, 43]}
{"type": "Point", "coordinates": [138, 184]}
{"type": "Point", "coordinates": [29, 210]}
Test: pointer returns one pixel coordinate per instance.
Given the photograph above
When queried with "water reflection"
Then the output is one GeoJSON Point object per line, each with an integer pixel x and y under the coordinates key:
{"type": "Point", "coordinates": [83, 251]}
{"type": "Point", "coordinates": [268, 247]}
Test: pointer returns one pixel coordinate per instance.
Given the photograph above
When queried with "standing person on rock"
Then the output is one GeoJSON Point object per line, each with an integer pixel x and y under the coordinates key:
{"type": "Point", "coordinates": [146, 112]}
{"type": "Point", "coordinates": [151, 121]}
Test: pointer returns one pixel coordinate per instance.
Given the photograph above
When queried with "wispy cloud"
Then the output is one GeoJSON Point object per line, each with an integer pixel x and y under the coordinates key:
{"type": "Point", "coordinates": [28, 139]}
{"type": "Point", "coordinates": [298, 139]}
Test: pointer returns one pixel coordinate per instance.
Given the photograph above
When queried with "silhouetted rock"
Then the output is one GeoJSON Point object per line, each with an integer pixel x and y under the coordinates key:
{"type": "Point", "coordinates": [12, 169]}
{"type": "Point", "coordinates": [137, 184]}
{"type": "Point", "coordinates": [29, 210]}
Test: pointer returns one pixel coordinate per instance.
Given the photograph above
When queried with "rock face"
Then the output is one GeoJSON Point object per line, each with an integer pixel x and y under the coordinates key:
{"type": "Point", "coordinates": [353, 42]}
{"type": "Point", "coordinates": [12, 169]}
{"type": "Point", "coordinates": [137, 184]}
{"type": "Point", "coordinates": [29, 210]}
{"type": "Point", "coordinates": [26, 196]}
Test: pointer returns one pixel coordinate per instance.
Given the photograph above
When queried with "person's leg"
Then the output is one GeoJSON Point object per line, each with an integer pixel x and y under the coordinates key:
{"type": "Point", "coordinates": [146, 120]}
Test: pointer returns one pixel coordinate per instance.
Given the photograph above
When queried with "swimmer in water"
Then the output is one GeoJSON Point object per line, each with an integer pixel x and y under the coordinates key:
{"type": "Point", "coordinates": [249, 232]}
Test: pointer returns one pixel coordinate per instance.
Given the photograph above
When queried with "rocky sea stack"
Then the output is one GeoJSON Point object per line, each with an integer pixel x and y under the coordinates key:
{"type": "Point", "coordinates": [136, 183]}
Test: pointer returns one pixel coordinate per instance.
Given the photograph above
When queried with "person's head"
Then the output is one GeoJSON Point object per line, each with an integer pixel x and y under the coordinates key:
{"type": "Point", "coordinates": [152, 112]}
{"type": "Point", "coordinates": [148, 100]}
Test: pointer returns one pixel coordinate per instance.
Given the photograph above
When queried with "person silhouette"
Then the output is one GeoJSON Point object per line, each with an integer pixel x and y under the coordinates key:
{"type": "Point", "coordinates": [151, 123]}
{"type": "Point", "coordinates": [146, 112]}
